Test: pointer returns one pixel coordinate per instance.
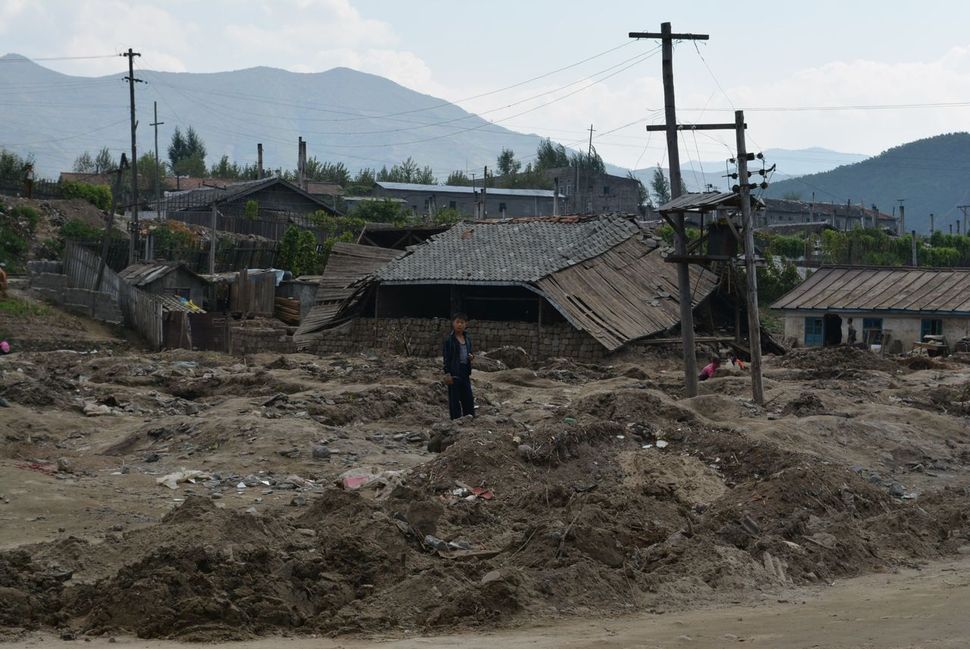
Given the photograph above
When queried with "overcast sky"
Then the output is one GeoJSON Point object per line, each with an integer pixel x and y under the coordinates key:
{"type": "Point", "coordinates": [774, 56]}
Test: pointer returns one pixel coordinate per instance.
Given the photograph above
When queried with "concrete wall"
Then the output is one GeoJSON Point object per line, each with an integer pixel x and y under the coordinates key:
{"type": "Point", "coordinates": [904, 329]}
{"type": "Point", "coordinates": [56, 289]}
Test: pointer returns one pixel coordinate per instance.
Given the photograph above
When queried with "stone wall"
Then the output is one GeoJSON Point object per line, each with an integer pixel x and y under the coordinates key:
{"type": "Point", "coordinates": [424, 336]}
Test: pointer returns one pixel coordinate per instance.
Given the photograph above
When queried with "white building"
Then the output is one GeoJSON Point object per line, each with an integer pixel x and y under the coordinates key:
{"type": "Point", "coordinates": [887, 306]}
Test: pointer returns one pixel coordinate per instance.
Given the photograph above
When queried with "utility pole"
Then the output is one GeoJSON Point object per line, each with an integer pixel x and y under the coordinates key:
{"type": "Point", "coordinates": [485, 193]}
{"type": "Point", "coordinates": [754, 319]}
{"type": "Point", "coordinates": [133, 245]}
{"type": "Point", "coordinates": [673, 157]}
{"type": "Point", "coordinates": [105, 245]}
{"type": "Point", "coordinates": [901, 226]}
{"type": "Point", "coordinates": [932, 226]}
{"type": "Point", "coordinates": [158, 171]}
{"type": "Point", "coordinates": [588, 208]}
{"type": "Point", "coordinates": [212, 240]}
{"type": "Point", "coordinates": [259, 161]}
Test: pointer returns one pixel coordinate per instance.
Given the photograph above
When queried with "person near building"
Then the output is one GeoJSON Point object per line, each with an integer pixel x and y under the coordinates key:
{"type": "Point", "coordinates": [457, 359]}
{"type": "Point", "coordinates": [710, 368]}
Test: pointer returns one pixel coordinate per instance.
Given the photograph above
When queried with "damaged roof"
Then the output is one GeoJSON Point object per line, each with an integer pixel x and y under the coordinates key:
{"type": "Point", "coordinates": [507, 252]}
{"type": "Point", "coordinates": [604, 274]}
{"type": "Point", "coordinates": [921, 291]}
{"type": "Point", "coordinates": [144, 273]}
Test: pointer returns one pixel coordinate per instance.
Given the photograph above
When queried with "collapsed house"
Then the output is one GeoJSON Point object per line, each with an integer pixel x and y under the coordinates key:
{"type": "Point", "coordinates": [555, 286]}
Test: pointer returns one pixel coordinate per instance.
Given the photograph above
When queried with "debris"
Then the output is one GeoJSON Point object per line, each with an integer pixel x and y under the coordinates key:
{"type": "Point", "coordinates": [172, 480]}
{"type": "Point", "coordinates": [64, 465]}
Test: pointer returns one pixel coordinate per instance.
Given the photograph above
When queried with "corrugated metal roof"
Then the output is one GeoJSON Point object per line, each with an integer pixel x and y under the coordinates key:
{"type": "Point", "coordinates": [460, 189]}
{"type": "Point", "coordinates": [205, 196]}
{"type": "Point", "coordinates": [628, 292]}
{"type": "Point", "coordinates": [497, 253]}
{"type": "Point", "coordinates": [904, 290]}
{"type": "Point", "coordinates": [705, 201]}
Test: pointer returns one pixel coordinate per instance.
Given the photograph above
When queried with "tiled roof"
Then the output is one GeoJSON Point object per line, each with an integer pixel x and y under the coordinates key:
{"type": "Point", "coordinates": [904, 290]}
{"type": "Point", "coordinates": [523, 250]}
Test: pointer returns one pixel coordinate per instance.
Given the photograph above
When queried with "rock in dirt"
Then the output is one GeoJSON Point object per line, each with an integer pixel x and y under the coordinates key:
{"type": "Point", "coordinates": [321, 452]}
{"type": "Point", "coordinates": [64, 465]}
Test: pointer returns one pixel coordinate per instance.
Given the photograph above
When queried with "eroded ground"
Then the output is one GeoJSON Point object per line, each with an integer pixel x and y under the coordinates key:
{"type": "Point", "coordinates": [579, 490]}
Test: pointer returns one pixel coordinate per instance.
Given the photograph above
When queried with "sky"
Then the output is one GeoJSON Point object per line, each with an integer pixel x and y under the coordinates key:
{"type": "Point", "coordinates": [555, 68]}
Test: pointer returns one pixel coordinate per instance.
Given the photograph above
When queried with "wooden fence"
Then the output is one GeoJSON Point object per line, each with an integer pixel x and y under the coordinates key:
{"type": "Point", "coordinates": [81, 267]}
{"type": "Point", "coordinates": [143, 313]}
{"type": "Point", "coordinates": [253, 294]}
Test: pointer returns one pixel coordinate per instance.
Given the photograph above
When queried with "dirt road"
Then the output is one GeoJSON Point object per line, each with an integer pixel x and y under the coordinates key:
{"type": "Point", "coordinates": [913, 609]}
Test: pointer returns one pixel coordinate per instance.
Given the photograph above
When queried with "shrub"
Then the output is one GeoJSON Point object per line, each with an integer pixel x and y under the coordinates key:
{"type": "Point", "coordinates": [97, 195]}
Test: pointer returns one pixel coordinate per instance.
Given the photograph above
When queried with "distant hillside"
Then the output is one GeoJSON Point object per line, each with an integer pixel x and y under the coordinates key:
{"type": "Point", "coordinates": [360, 119]}
{"type": "Point", "coordinates": [790, 163]}
{"type": "Point", "coordinates": [933, 175]}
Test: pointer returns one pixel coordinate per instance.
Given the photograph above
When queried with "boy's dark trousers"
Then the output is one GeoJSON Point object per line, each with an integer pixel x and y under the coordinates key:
{"type": "Point", "coordinates": [460, 400]}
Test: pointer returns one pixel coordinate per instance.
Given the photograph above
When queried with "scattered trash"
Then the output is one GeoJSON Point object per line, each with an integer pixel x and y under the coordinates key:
{"type": "Point", "coordinates": [172, 480]}
{"type": "Point", "coordinates": [662, 444]}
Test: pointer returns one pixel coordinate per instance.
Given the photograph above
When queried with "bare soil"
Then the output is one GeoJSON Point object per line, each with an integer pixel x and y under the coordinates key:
{"type": "Point", "coordinates": [579, 490]}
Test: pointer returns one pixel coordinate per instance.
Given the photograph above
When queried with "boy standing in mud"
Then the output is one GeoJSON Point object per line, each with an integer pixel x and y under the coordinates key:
{"type": "Point", "coordinates": [457, 364]}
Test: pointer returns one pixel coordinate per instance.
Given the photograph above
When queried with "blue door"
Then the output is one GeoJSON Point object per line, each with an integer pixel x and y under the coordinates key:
{"type": "Point", "coordinates": [813, 332]}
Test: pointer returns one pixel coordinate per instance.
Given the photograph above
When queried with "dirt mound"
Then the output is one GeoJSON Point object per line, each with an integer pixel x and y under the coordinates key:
{"type": "Point", "coordinates": [804, 405]}
{"type": "Point", "coordinates": [835, 359]}
{"type": "Point", "coordinates": [919, 363]}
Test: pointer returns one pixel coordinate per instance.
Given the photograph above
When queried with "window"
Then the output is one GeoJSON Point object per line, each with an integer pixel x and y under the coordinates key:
{"type": "Point", "coordinates": [872, 331]}
{"type": "Point", "coordinates": [813, 332]}
{"type": "Point", "coordinates": [930, 327]}
{"type": "Point", "coordinates": [501, 207]}
{"type": "Point", "coordinates": [452, 205]}
{"type": "Point", "coordinates": [606, 190]}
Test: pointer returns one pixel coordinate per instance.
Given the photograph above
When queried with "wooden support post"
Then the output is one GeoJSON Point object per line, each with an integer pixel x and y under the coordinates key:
{"type": "Point", "coordinates": [259, 161]}
{"type": "Point", "coordinates": [106, 244]}
{"type": "Point", "coordinates": [754, 320]}
{"type": "Point", "coordinates": [212, 240]}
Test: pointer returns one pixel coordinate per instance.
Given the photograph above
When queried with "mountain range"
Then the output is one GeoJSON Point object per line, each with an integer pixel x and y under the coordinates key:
{"type": "Point", "coordinates": [360, 119]}
{"type": "Point", "coordinates": [931, 176]}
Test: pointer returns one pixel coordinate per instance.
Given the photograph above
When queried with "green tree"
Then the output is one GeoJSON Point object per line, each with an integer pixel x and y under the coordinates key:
{"type": "Point", "coordinates": [506, 164]}
{"type": "Point", "coordinates": [104, 161]}
{"type": "Point", "coordinates": [551, 156]}
{"type": "Point", "coordinates": [643, 196]}
{"type": "Point", "coordinates": [407, 171]}
{"type": "Point", "coordinates": [84, 164]}
{"type": "Point", "coordinates": [97, 195]}
{"type": "Point", "coordinates": [306, 254]}
{"type": "Point", "coordinates": [660, 186]}
{"type": "Point", "coordinates": [590, 162]}
{"type": "Point", "coordinates": [286, 253]}
{"type": "Point", "coordinates": [226, 169]}
{"type": "Point", "coordinates": [380, 210]}
{"type": "Point", "coordinates": [251, 211]}
{"type": "Point", "coordinates": [459, 179]}
{"type": "Point", "coordinates": [186, 153]}
{"type": "Point", "coordinates": [328, 172]}
{"type": "Point", "coordinates": [149, 176]}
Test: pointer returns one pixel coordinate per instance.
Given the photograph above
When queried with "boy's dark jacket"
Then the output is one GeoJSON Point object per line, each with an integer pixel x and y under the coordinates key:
{"type": "Point", "coordinates": [451, 355]}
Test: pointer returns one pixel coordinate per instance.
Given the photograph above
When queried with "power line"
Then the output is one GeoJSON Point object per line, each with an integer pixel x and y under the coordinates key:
{"type": "Point", "coordinates": [17, 59]}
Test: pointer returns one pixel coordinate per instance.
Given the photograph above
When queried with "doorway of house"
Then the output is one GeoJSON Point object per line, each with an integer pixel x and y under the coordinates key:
{"type": "Point", "coordinates": [832, 329]}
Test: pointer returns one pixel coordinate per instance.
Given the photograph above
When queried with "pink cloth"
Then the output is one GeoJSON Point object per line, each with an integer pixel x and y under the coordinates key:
{"type": "Point", "coordinates": [709, 370]}
{"type": "Point", "coordinates": [5, 347]}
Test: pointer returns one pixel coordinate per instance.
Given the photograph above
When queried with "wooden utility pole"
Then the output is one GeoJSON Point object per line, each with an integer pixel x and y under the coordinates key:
{"type": "Point", "coordinates": [485, 193]}
{"type": "Point", "coordinates": [259, 161]}
{"type": "Point", "coordinates": [667, 39]}
{"type": "Point", "coordinates": [133, 244]}
{"type": "Point", "coordinates": [106, 244]}
{"type": "Point", "coordinates": [158, 171]}
{"type": "Point", "coordinates": [754, 319]}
